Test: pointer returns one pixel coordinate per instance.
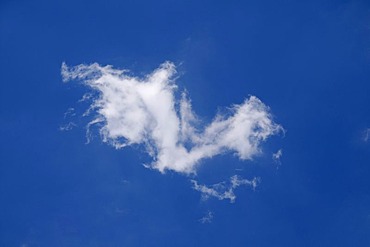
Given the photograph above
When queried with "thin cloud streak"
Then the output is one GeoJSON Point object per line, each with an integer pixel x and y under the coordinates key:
{"type": "Point", "coordinates": [224, 190]}
{"type": "Point", "coordinates": [207, 218]}
{"type": "Point", "coordinates": [366, 135]}
{"type": "Point", "coordinates": [277, 156]}
{"type": "Point", "coordinates": [129, 110]}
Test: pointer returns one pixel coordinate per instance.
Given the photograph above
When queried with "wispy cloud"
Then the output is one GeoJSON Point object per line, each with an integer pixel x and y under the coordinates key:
{"type": "Point", "coordinates": [207, 218]}
{"type": "Point", "coordinates": [276, 156]}
{"type": "Point", "coordinates": [130, 110]}
{"type": "Point", "coordinates": [69, 112]}
{"type": "Point", "coordinates": [224, 190]}
{"type": "Point", "coordinates": [366, 135]}
{"type": "Point", "coordinates": [67, 127]}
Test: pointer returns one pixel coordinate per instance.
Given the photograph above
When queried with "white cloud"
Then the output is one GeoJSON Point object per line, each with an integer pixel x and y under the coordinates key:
{"type": "Point", "coordinates": [130, 110]}
{"type": "Point", "coordinates": [67, 127]}
{"type": "Point", "coordinates": [224, 190]}
{"type": "Point", "coordinates": [69, 113]}
{"type": "Point", "coordinates": [207, 218]}
{"type": "Point", "coordinates": [276, 156]}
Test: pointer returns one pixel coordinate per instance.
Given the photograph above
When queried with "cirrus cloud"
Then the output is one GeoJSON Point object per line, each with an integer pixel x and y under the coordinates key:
{"type": "Point", "coordinates": [224, 190]}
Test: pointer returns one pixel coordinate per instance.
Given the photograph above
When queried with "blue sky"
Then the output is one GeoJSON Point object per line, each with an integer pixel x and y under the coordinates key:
{"type": "Point", "coordinates": [306, 61]}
